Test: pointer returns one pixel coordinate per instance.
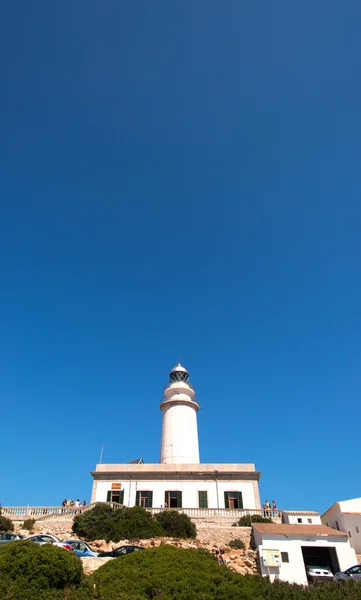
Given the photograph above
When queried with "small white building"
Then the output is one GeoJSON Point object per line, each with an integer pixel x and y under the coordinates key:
{"type": "Point", "coordinates": [301, 517]}
{"type": "Point", "coordinates": [285, 550]}
{"type": "Point", "coordinates": [180, 480]}
{"type": "Point", "coordinates": [346, 516]}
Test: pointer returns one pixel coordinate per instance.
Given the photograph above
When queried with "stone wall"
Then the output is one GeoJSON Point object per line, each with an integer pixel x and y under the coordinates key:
{"type": "Point", "coordinates": [210, 536]}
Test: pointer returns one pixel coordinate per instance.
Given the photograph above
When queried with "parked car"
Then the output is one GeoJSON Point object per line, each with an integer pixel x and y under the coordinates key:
{"type": "Point", "coordinates": [5, 538]}
{"type": "Point", "coordinates": [121, 551]}
{"type": "Point", "coordinates": [315, 573]}
{"type": "Point", "coordinates": [352, 572]}
{"type": "Point", "coordinates": [81, 549]}
{"type": "Point", "coordinates": [46, 538]}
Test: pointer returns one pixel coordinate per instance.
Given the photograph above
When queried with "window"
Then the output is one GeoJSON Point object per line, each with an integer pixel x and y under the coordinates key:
{"type": "Point", "coordinates": [349, 534]}
{"type": "Point", "coordinates": [354, 570]}
{"type": "Point", "coordinates": [116, 496]}
{"type": "Point", "coordinates": [233, 500]}
{"type": "Point", "coordinates": [357, 529]}
{"type": "Point", "coordinates": [284, 557]}
{"type": "Point", "coordinates": [173, 499]}
{"type": "Point", "coordinates": [299, 520]}
{"type": "Point", "coordinates": [203, 499]}
{"type": "Point", "coordinates": [309, 520]}
{"type": "Point", "coordinates": [144, 499]}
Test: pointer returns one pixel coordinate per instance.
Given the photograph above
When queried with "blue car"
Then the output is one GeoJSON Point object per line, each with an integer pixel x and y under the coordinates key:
{"type": "Point", "coordinates": [81, 549]}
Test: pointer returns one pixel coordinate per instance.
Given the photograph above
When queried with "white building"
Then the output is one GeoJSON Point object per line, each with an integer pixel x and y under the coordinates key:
{"type": "Point", "coordinates": [179, 480]}
{"type": "Point", "coordinates": [285, 549]}
{"type": "Point", "coordinates": [346, 516]}
{"type": "Point", "coordinates": [301, 517]}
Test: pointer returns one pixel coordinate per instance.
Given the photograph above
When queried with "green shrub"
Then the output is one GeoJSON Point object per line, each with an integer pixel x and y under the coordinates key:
{"type": "Point", "coordinates": [249, 519]}
{"type": "Point", "coordinates": [94, 524]}
{"type": "Point", "coordinates": [175, 524]}
{"type": "Point", "coordinates": [171, 573]}
{"type": "Point", "coordinates": [6, 524]}
{"type": "Point", "coordinates": [28, 569]}
{"type": "Point", "coordinates": [238, 544]}
{"type": "Point", "coordinates": [104, 522]}
{"type": "Point", "coordinates": [29, 524]}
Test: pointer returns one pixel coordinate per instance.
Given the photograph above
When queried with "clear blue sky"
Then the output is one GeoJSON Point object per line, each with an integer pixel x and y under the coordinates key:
{"type": "Point", "coordinates": [180, 179]}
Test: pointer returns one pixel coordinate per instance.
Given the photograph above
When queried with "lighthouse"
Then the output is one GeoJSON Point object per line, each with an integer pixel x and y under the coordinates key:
{"type": "Point", "coordinates": [179, 444]}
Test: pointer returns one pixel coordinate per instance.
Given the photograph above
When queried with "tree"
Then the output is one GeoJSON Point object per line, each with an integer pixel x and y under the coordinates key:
{"type": "Point", "coordinates": [104, 522]}
{"type": "Point", "coordinates": [6, 524]}
{"type": "Point", "coordinates": [175, 524]}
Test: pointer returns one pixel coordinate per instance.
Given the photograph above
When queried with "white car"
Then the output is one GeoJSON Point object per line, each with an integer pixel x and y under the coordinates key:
{"type": "Point", "coordinates": [47, 538]}
{"type": "Point", "coordinates": [323, 573]}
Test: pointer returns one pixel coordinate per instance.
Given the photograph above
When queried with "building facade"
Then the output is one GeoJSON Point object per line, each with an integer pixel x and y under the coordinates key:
{"type": "Point", "coordinates": [179, 480]}
{"type": "Point", "coordinates": [346, 516]}
{"type": "Point", "coordinates": [301, 517]}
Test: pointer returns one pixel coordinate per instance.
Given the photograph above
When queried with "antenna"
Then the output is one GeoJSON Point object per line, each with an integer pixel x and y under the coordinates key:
{"type": "Point", "coordinates": [101, 454]}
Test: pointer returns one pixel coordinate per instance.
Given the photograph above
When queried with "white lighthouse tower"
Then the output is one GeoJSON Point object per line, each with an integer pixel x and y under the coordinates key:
{"type": "Point", "coordinates": [179, 420]}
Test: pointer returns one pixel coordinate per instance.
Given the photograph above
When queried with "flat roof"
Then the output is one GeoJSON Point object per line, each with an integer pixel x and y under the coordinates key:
{"type": "Point", "coordinates": [171, 468]}
{"type": "Point", "coordinates": [296, 530]}
{"type": "Point", "coordinates": [177, 471]}
{"type": "Point", "coordinates": [301, 512]}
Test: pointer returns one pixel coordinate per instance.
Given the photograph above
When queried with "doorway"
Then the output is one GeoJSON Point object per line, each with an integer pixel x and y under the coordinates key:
{"type": "Point", "coordinates": [322, 557]}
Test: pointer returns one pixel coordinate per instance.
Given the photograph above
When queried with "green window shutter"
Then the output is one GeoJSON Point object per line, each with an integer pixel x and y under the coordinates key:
{"type": "Point", "coordinates": [226, 500]}
{"type": "Point", "coordinates": [179, 500]}
{"type": "Point", "coordinates": [150, 499]}
{"type": "Point", "coordinates": [121, 497]}
{"type": "Point", "coordinates": [109, 495]}
{"type": "Point", "coordinates": [166, 497]}
{"type": "Point", "coordinates": [137, 494]}
{"type": "Point", "coordinates": [202, 500]}
{"type": "Point", "coordinates": [240, 500]}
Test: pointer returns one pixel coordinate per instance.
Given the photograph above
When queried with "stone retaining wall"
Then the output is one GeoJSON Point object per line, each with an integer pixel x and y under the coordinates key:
{"type": "Point", "coordinates": [210, 536]}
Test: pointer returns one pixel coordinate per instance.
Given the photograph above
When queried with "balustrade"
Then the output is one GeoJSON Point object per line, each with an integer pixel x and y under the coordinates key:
{"type": "Point", "coordinates": [18, 513]}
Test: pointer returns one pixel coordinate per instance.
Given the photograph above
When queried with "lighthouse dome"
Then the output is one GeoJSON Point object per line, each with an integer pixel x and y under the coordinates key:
{"type": "Point", "coordinates": [178, 373]}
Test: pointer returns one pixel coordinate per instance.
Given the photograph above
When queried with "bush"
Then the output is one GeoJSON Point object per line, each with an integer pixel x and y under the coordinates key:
{"type": "Point", "coordinates": [249, 519]}
{"type": "Point", "coordinates": [29, 524]}
{"type": "Point", "coordinates": [6, 524]}
{"type": "Point", "coordinates": [104, 522]}
{"type": "Point", "coordinates": [27, 569]}
{"type": "Point", "coordinates": [175, 524]}
{"type": "Point", "coordinates": [94, 524]}
{"type": "Point", "coordinates": [171, 573]}
{"type": "Point", "coordinates": [238, 544]}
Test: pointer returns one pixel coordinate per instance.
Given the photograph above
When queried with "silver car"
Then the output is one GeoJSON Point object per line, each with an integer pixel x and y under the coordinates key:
{"type": "Point", "coordinates": [351, 573]}
{"type": "Point", "coordinates": [5, 538]}
{"type": "Point", "coordinates": [47, 538]}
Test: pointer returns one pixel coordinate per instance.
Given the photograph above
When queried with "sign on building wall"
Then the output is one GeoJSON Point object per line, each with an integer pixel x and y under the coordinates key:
{"type": "Point", "coordinates": [116, 486]}
{"type": "Point", "coordinates": [271, 558]}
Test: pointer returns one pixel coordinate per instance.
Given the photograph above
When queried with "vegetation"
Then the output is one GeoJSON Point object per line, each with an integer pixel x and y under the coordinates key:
{"type": "Point", "coordinates": [6, 524]}
{"type": "Point", "coordinates": [30, 570]}
{"type": "Point", "coordinates": [237, 544]}
{"type": "Point", "coordinates": [29, 524]}
{"type": "Point", "coordinates": [104, 522]}
{"type": "Point", "coordinates": [175, 524]}
{"type": "Point", "coordinates": [249, 519]}
{"type": "Point", "coordinates": [172, 573]}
